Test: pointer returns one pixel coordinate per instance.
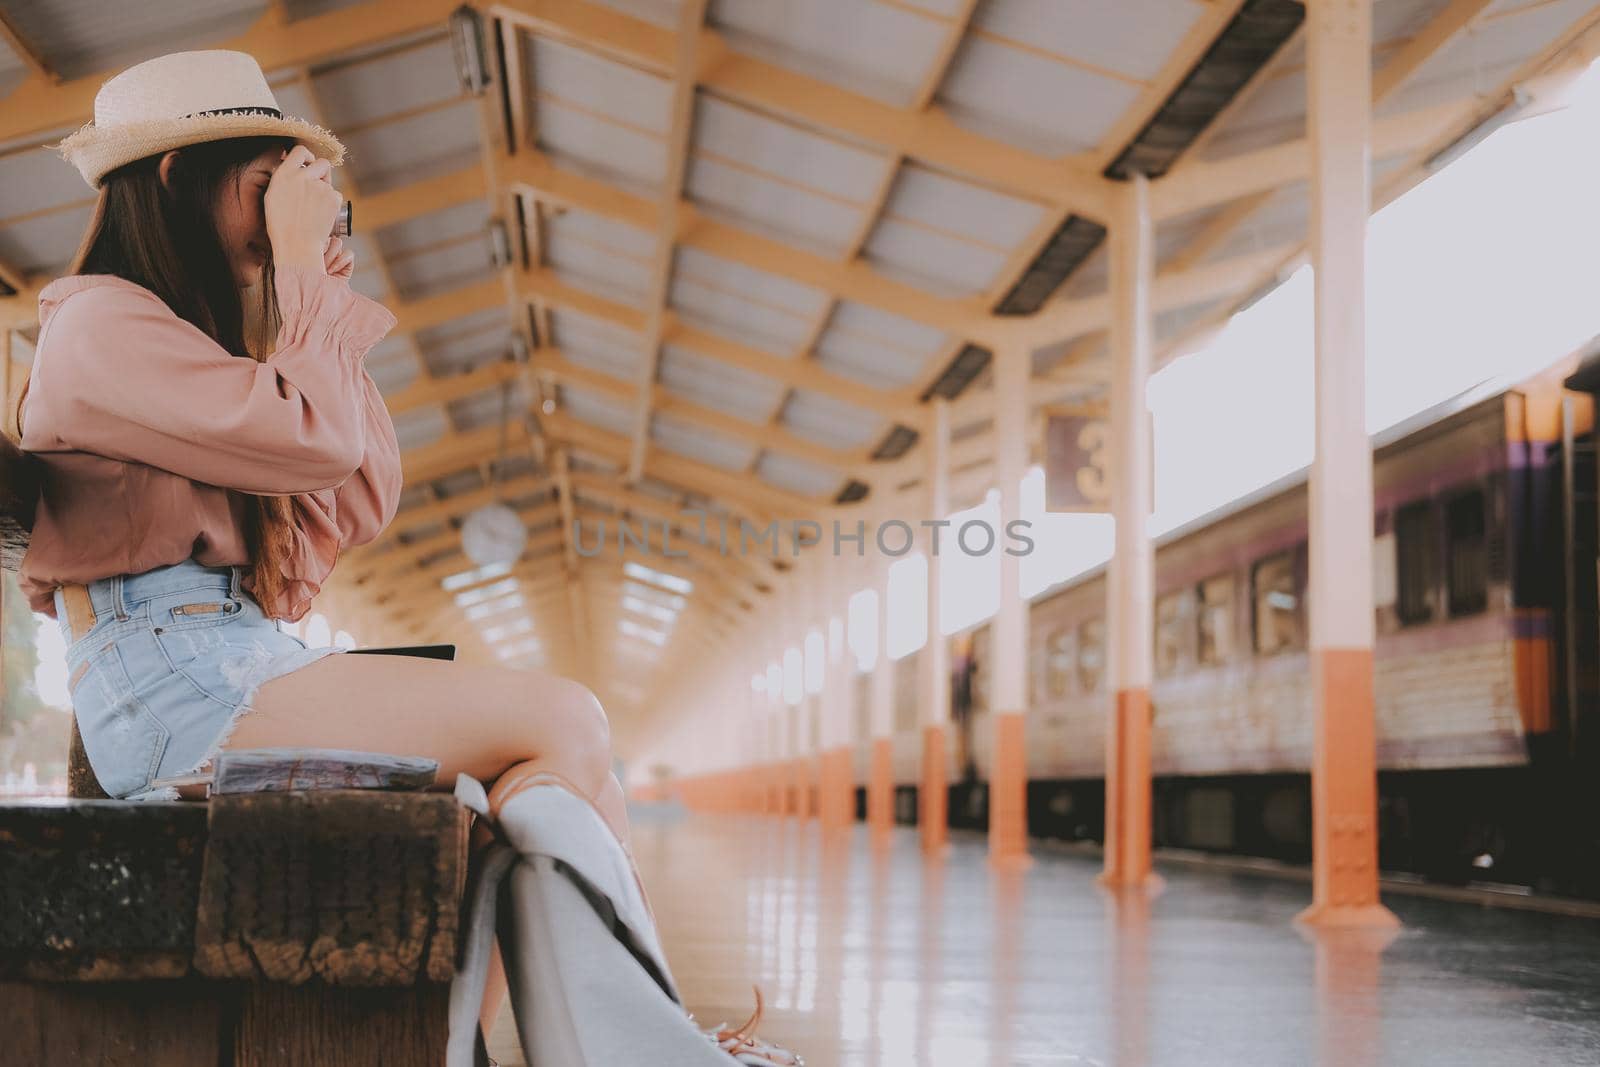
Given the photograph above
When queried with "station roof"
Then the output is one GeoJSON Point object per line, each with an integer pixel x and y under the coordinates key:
{"type": "Point", "coordinates": [749, 239]}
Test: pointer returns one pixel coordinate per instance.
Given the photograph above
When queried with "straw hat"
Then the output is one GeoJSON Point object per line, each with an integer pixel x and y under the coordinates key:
{"type": "Point", "coordinates": [182, 99]}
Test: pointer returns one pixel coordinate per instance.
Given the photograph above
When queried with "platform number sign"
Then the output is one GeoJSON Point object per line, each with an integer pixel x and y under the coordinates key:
{"type": "Point", "coordinates": [1077, 459]}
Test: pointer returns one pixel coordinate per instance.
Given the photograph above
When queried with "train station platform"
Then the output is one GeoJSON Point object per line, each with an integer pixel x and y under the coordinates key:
{"type": "Point", "coordinates": [877, 956]}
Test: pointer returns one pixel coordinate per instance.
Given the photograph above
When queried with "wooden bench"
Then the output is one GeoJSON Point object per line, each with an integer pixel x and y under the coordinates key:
{"type": "Point", "coordinates": [314, 928]}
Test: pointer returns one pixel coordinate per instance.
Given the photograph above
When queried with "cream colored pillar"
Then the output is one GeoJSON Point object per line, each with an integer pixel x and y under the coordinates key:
{"type": "Point", "coordinates": [880, 776]}
{"type": "Point", "coordinates": [1344, 791]}
{"type": "Point", "coordinates": [934, 690]}
{"type": "Point", "coordinates": [837, 785]}
{"type": "Point", "coordinates": [1130, 579]}
{"type": "Point", "coordinates": [1008, 635]}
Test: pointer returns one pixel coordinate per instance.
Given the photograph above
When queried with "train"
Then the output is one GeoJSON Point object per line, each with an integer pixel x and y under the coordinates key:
{"type": "Point", "coordinates": [1486, 664]}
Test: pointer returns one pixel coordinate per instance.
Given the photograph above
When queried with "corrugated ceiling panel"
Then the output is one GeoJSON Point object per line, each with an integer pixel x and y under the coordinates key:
{"type": "Point", "coordinates": [465, 343]}
{"type": "Point", "coordinates": [419, 427]}
{"type": "Point", "coordinates": [1016, 96]}
{"type": "Point", "coordinates": [1133, 37]}
{"type": "Point", "coordinates": [932, 260]}
{"type": "Point", "coordinates": [914, 338]}
{"type": "Point", "coordinates": [605, 257]}
{"type": "Point", "coordinates": [371, 90]}
{"type": "Point", "coordinates": [596, 344]}
{"type": "Point", "coordinates": [393, 364]}
{"type": "Point", "coordinates": [863, 45]}
{"type": "Point", "coordinates": [696, 442]}
{"type": "Point", "coordinates": [445, 267]}
{"type": "Point", "coordinates": [714, 384]}
{"type": "Point", "coordinates": [37, 179]}
{"type": "Point", "coordinates": [410, 150]}
{"type": "Point", "coordinates": [773, 208]}
{"type": "Point", "coordinates": [831, 422]}
{"type": "Point", "coordinates": [471, 216]}
{"type": "Point", "coordinates": [598, 409]}
{"type": "Point", "coordinates": [794, 153]}
{"type": "Point", "coordinates": [749, 306]}
{"type": "Point", "coordinates": [1476, 63]}
{"type": "Point", "coordinates": [46, 243]}
{"type": "Point", "coordinates": [584, 144]}
{"type": "Point", "coordinates": [13, 69]}
{"type": "Point", "coordinates": [483, 408]}
{"type": "Point", "coordinates": [623, 94]}
{"type": "Point", "coordinates": [797, 476]}
{"type": "Point", "coordinates": [78, 38]}
{"type": "Point", "coordinates": [964, 210]}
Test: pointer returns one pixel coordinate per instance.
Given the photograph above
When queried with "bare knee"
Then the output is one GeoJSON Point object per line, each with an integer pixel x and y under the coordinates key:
{"type": "Point", "coordinates": [573, 728]}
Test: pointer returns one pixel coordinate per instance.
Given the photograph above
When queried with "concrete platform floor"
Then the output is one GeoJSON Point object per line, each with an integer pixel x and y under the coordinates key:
{"type": "Point", "coordinates": [871, 957]}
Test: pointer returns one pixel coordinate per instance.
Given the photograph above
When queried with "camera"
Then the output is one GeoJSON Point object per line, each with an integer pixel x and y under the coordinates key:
{"type": "Point", "coordinates": [342, 221]}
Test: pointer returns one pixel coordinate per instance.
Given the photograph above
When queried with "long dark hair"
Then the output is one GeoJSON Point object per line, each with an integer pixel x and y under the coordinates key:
{"type": "Point", "coordinates": [165, 239]}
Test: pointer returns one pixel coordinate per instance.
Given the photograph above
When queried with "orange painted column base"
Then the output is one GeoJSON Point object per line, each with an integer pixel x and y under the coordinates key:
{"type": "Point", "coordinates": [1344, 793]}
{"type": "Point", "coordinates": [1127, 848]}
{"type": "Point", "coordinates": [795, 788]}
{"type": "Point", "coordinates": [774, 788]}
{"type": "Point", "coordinates": [838, 795]}
{"type": "Point", "coordinates": [1008, 791]}
{"type": "Point", "coordinates": [880, 788]}
{"type": "Point", "coordinates": [933, 795]}
{"type": "Point", "coordinates": [813, 775]}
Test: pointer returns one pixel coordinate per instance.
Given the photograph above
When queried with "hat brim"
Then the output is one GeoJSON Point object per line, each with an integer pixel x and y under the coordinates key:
{"type": "Point", "coordinates": [97, 152]}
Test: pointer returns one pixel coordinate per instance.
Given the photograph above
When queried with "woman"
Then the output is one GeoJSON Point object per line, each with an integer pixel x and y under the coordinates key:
{"type": "Point", "coordinates": [200, 483]}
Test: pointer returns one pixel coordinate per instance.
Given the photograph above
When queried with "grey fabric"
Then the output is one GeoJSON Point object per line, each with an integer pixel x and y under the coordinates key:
{"type": "Point", "coordinates": [589, 983]}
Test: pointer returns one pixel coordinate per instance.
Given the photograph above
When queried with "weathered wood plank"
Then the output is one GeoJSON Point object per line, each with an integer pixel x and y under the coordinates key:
{"type": "Point", "coordinates": [351, 888]}
{"type": "Point", "coordinates": [319, 1026]}
{"type": "Point", "coordinates": [115, 1024]}
{"type": "Point", "coordinates": [99, 890]}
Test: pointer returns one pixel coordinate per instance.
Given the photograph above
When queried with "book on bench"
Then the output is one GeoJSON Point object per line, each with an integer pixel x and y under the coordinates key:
{"type": "Point", "coordinates": [282, 770]}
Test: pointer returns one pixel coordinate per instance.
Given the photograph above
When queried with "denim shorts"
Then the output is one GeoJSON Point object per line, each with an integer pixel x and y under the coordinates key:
{"type": "Point", "coordinates": [173, 660]}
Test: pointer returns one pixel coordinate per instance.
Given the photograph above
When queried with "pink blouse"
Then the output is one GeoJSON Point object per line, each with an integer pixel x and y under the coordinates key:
{"type": "Point", "coordinates": [150, 431]}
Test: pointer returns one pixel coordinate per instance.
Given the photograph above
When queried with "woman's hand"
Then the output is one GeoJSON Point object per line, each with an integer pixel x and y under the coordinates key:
{"type": "Point", "coordinates": [301, 204]}
{"type": "Point", "coordinates": [337, 260]}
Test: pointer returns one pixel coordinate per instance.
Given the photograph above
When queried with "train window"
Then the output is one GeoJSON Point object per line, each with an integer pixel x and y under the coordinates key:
{"type": "Point", "coordinates": [1060, 654]}
{"type": "Point", "coordinates": [1415, 562]}
{"type": "Point", "coordinates": [1174, 631]}
{"type": "Point", "coordinates": [1467, 553]}
{"type": "Point", "coordinates": [1216, 619]}
{"type": "Point", "coordinates": [1277, 602]}
{"type": "Point", "coordinates": [1091, 655]}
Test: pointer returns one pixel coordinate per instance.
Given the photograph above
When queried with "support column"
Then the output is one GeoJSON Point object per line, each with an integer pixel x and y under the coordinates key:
{"type": "Point", "coordinates": [933, 797]}
{"type": "Point", "coordinates": [794, 716]}
{"type": "Point", "coordinates": [812, 705]}
{"type": "Point", "coordinates": [1008, 636]}
{"type": "Point", "coordinates": [880, 778]}
{"type": "Point", "coordinates": [1130, 578]}
{"type": "Point", "coordinates": [776, 773]}
{"type": "Point", "coordinates": [839, 788]}
{"type": "Point", "coordinates": [1344, 790]}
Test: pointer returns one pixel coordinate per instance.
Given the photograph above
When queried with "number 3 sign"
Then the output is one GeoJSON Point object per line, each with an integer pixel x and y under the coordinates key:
{"type": "Point", "coordinates": [1077, 459]}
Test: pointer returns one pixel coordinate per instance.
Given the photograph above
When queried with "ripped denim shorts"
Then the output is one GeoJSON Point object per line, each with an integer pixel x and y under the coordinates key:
{"type": "Point", "coordinates": [172, 661]}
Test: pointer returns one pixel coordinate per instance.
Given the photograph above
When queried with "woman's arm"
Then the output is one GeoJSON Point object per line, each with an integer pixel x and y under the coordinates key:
{"type": "Point", "coordinates": [122, 376]}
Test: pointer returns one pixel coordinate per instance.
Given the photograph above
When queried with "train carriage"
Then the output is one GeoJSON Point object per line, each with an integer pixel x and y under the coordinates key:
{"type": "Point", "coordinates": [1484, 669]}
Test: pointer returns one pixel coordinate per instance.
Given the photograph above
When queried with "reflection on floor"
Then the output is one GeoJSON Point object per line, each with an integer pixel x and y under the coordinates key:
{"type": "Point", "coordinates": [871, 957]}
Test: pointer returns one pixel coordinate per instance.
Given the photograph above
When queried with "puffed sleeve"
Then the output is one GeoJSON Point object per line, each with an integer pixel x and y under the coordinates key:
{"type": "Point", "coordinates": [359, 510]}
{"type": "Point", "coordinates": [120, 375]}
